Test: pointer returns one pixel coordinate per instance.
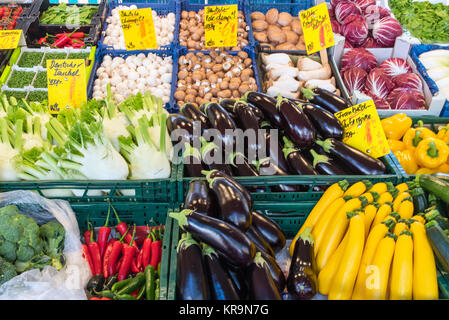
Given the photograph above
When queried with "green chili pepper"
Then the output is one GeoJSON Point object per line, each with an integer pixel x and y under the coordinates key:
{"type": "Point", "coordinates": [141, 292]}
{"type": "Point", "coordinates": [120, 284]}
{"type": "Point", "coordinates": [150, 284]}
{"type": "Point", "coordinates": [133, 285]}
{"type": "Point", "coordinates": [106, 293]}
{"type": "Point", "coordinates": [124, 297]}
{"type": "Point", "coordinates": [156, 293]}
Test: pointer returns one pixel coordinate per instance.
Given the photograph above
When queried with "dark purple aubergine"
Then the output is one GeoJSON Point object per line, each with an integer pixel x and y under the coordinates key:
{"type": "Point", "coordinates": [246, 115]}
{"type": "Point", "coordinates": [209, 154]}
{"type": "Point", "coordinates": [266, 167]}
{"type": "Point", "coordinates": [259, 114]}
{"type": "Point", "coordinates": [240, 165]}
{"type": "Point", "coordinates": [326, 124]}
{"type": "Point", "coordinates": [199, 198]}
{"type": "Point", "coordinates": [326, 165]}
{"type": "Point", "coordinates": [194, 114]}
{"type": "Point", "coordinates": [251, 138]}
{"type": "Point", "coordinates": [326, 99]}
{"type": "Point", "coordinates": [267, 105]}
{"type": "Point", "coordinates": [178, 121]}
{"type": "Point", "coordinates": [222, 121]}
{"type": "Point", "coordinates": [302, 282]}
{"type": "Point", "coordinates": [220, 174]}
{"type": "Point", "coordinates": [297, 162]}
{"type": "Point", "coordinates": [270, 230]}
{"type": "Point", "coordinates": [297, 125]}
{"type": "Point", "coordinates": [261, 283]}
{"type": "Point", "coordinates": [193, 164]}
{"type": "Point", "coordinates": [276, 272]}
{"type": "Point", "coordinates": [258, 240]}
{"type": "Point", "coordinates": [191, 279]}
{"type": "Point", "coordinates": [297, 101]}
{"type": "Point", "coordinates": [238, 277]}
{"type": "Point", "coordinates": [230, 243]}
{"type": "Point", "coordinates": [222, 286]}
{"type": "Point", "coordinates": [228, 104]}
{"type": "Point", "coordinates": [273, 149]}
{"type": "Point", "coordinates": [232, 206]}
{"type": "Point", "coordinates": [355, 160]}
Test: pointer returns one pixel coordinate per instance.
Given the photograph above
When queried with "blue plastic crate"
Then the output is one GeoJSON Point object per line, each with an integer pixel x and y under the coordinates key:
{"type": "Point", "coordinates": [182, 51]}
{"type": "Point", "coordinates": [162, 8]}
{"type": "Point", "coordinates": [293, 7]}
{"type": "Point", "coordinates": [163, 52]}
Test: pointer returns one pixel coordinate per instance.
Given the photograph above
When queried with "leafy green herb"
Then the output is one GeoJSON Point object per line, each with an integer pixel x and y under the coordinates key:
{"type": "Point", "coordinates": [78, 55]}
{"type": "Point", "coordinates": [38, 96]}
{"type": "Point", "coordinates": [16, 94]}
{"type": "Point", "coordinates": [426, 21]}
{"type": "Point", "coordinates": [30, 59]}
{"type": "Point", "coordinates": [65, 14]}
{"type": "Point", "coordinates": [53, 55]}
{"type": "Point", "coordinates": [20, 79]}
{"type": "Point", "coordinates": [41, 80]}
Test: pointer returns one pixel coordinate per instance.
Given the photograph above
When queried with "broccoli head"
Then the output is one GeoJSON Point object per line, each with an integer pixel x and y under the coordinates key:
{"type": "Point", "coordinates": [8, 250]}
{"type": "Point", "coordinates": [37, 262]}
{"type": "Point", "coordinates": [7, 271]}
{"type": "Point", "coordinates": [24, 252]}
{"type": "Point", "coordinates": [53, 235]}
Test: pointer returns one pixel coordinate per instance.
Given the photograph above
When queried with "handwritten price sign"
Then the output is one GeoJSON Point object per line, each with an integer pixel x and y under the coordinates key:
{"type": "Point", "coordinates": [363, 129]}
{"type": "Point", "coordinates": [66, 80]}
{"type": "Point", "coordinates": [9, 39]}
{"type": "Point", "coordinates": [138, 29]}
{"type": "Point", "coordinates": [317, 28]}
{"type": "Point", "coordinates": [220, 25]}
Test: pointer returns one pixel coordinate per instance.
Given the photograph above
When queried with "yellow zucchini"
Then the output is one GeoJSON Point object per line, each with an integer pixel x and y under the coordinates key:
{"type": "Point", "coordinates": [397, 201]}
{"type": "Point", "coordinates": [332, 193]}
{"type": "Point", "coordinates": [402, 187]}
{"type": "Point", "coordinates": [401, 282]}
{"type": "Point", "coordinates": [419, 218]}
{"type": "Point", "coordinates": [384, 210]}
{"type": "Point", "coordinates": [400, 226]}
{"type": "Point", "coordinates": [377, 282]}
{"type": "Point", "coordinates": [425, 285]}
{"type": "Point", "coordinates": [394, 216]}
{"type": "Point", "coordinates": [358, 188]}
{"type": "Point", "coordinates": [385, 197]}
{"type": "Point", "coordinates": [379, 187]}
{"type": "Point", "coordinates": [344, 279]}
{"type": "Point", "coordinates": [370, 213]}
{"type": "Point", "coordinates": [406, 208]}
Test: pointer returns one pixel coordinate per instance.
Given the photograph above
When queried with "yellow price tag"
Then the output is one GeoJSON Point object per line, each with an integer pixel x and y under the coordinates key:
{"type": "Point", "coordinates": [317, 28]}
{"type": "Point", "coordinates": [220, 26]}
{"type": "Point", "coordinates": [66, 80]}
{"type": "Point", "coordinates": [9, 39]}
{"type": "Point", "coordinates": [363, 129]}
{"type": "Point", "coordinates": [138, 29]}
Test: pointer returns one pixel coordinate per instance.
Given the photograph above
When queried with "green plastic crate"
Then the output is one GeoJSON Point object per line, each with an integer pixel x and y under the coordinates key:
{"type": "Point", "coordinates": [141, 213]}
{"type": "Point", "coordinates": [393, 176]}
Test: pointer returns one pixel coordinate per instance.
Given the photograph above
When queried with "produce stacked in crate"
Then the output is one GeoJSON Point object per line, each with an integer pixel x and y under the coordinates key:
{"type": "Point", "coordinates": [68, 14]}
{"type": "Point", "coordinates": [9, 15]}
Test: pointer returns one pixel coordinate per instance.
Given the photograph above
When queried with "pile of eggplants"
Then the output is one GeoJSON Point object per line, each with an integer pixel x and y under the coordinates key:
{"type": "Point", "coordinates": [309, 137]}
{"type": "Point", "coordinates": [227, 249]}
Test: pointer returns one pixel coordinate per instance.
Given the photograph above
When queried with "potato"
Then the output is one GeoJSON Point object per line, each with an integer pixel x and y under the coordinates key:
{"type": "Point", "coordinates": [291, 37]}
{"type": "Point", "coordinates": [259, 25]}
{"type": "Point", "coordinates": [284, 19]}
{"type": "Point", "coordinates": [257, 15]}
{"type": "Point", "coordinates": [273, 27]}
{"type": "Point", "coordinates": [286, 28]}
{"type": "Point", "coordinates": [272, 16]}
{"type": "Point", "coordinates": [300, 46]}
{"type": "Point", "coordinates": [285, 46]}
{"type": "Point", "coordinates": [276, 36]}
{"type": "Point", "coordinates": [296, 26]}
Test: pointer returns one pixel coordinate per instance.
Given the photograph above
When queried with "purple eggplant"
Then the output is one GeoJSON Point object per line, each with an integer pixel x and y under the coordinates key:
{"type": "Point", "coordinates": [178, 121]}
{"type": "Point", "coordinates": [267, 105]}
{"type": "Point", "coordinates": [355, 160]}
{"type": "Point", "coordinates": [194, 114]}
{"type": "Point", "coordinates": [230, 243]}
{"type": "Point", "coordinates": [261, 283]}
{"type": "Point", "coordinates": [228, 104]}
{"type": "Point", "coordinates": [326, 99]}
{"type": "Point", "coordinates": [273, 149]}
{"type": "Point", "coordinates": [302, 282]}
{"type": "Point", "coordinates": [208, 154]}
{"type": "Point", "coordinates": [191, 279]}
{"type": "Point", "coordinates": [257, 112]}
{"type": "Point", "coordinates": [222, 121]}
{"type": "Point", "coordinates": [258, 240]}
{"type": "Point", "coordinates": [296, 161]}
{"type": "Point", "coordinates": [238, 277]}
{"type": "Point", "coordinates": [250, 126]}
{"type": "Point", "coordinates": [266, 167]}
{"type": "Point", "coordinates": [276, 272]}
{"type": "Point", "coordinates": [297, 125]}
{"type": "Point", "coordinates": [222, 286]}
{"type": "Point", "coordinates": [240, 165]}
{"type": "Point", "coordinates": [326, 165]}
{"type": "Point", "coordinates": [325, 122]}
{"type": "Point", "coordinates": [232, 205]}
{"type": "Point", "coordinates": [199, 198]}
{"type": "Point", "coordinates": [193, 164]}
{"type": "Point", "coordinates": [270, 230]}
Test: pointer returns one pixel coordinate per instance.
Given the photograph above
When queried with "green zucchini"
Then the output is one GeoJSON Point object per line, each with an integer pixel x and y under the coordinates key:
{"type": "Point", "coordinates": [419, 200]}
{"type": "Point", "coordinates": [434, 215]}
{"type": "Point", "coordinates": [440, 243]}
{"type": "Point", "coordinates": [436, 186]}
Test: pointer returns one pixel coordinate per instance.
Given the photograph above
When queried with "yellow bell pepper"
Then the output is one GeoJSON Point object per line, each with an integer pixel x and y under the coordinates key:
{"type": "Point", "coordinates": [396, 126]}
{"type": "Point", "coordinates": [425, 171]}
{"type": "Point", "coordinates": [443, 134]}
{"type": "Point", "coordinates": [414, 136]}
{"type": "Point", "coordinates": [431, 153]}
{"type": "Point", "coordinates": [396, 145]}
{"type": "Point", "coordinates": [407, 160]}
{"type": "Point", "coordinates": [444, 168]}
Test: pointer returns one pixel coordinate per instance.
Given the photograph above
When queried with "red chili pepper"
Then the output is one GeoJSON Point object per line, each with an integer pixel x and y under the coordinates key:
{"type": "Point", "coordinates": [112, 265]}
{"type": "Point", "coordinates": [94, 251]}
{"type": "Point", "coordinates": [106, 257]}
{"type": "Point", "coordinates": [42, 40]}
{"type": "Point", "coordinates": [63, 40]}
{"type": "Point", "coordinates": [104, 298]}
{"type": "Point", "coordinates": [95, 298]}
{"type": "Point", "coordinates": [134, 268]}
{"type": "Point", "coordinates": [122, 227]}
{"type": "Point", "coordinates": [139, 264]}
{"type": "Point", "coordinates": [86, 255]}
{"type": "Point", "coordinates": [129, 252]}
{"type": "Point", "coordinates": [103, 234]}
{"type": "Point", "coordinates": [88, 232]}
{"type": "Point", "coordinates": [146, 250]}
{"type": "Point", "coordinates": [156, 253]}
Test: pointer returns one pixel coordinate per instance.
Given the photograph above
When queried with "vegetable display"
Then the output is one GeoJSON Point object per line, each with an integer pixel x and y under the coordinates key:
{"type": "Point", "coordinates": [9, 15]}
{"type": "Point", "coordinates": [68, 14]}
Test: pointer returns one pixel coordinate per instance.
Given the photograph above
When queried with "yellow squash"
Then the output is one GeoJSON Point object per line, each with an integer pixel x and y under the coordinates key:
{"type": "Point", "coordinates": [397, 201]}
{"type": "Point", "coordinates": [400, 226]}
{"type": "Point", "coordinates": [384, 210]}
{"type": "Point", "coordinates": [377, 281]}
{"type": "Point", "coordinates": [385, 197]}
{"type": "Point", "coordinates": [379, 187]}
{"type": "Point", "coordinates": [401, 282]}
{"type": "Point", "coordinates": [402, 187]}
{"type": "Point", "coordinates": [358, 188]}
{"type": "Point", "coordinates": [425, 285]}
{"type": "Point", "coordinates": [419, 218]}
{"type": "Point", "coordinates": [370, 213]}
{"type": "Point", "coordinates": [344, 279]}
{"type": "Point", "coordinates": [406, 208]}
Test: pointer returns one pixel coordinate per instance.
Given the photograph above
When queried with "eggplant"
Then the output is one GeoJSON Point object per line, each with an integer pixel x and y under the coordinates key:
{"type": "Point", "coordinates": [191, 112]}
{"type": "Point", "coordinates": [240, 165]}
{"type": "Point", "coordinates": [267, 105]}
{"type": "Point", "coordinates": [191, 279]}
{"type": "Point", "coordinates": [273, 149]}
{"type": "Point", "coordinates": [299, 164]}
{"type": "Point", "coordinates": [258, 240]}
{"type": "Point", "coordinates": [267, 167]}
{"type": "Point", "coordinates": [250, 125]}
{"type": "Point", "coordinates": [193, 164]}
{"type": "Point", "coordinates": [208, 152]}
{"type": "Point", "coordinates": [326, 99]}
{"type": "Point", "coordinates": [238, 277]}
{"type": "Point", "coordinates": [95, 284]}
{"type": "Point", "coordinates": [222, 121]}
{"type": "Point", "coordinates": [326, 165]}
{"type": "Point", "coordinates": [324, 121]}
{"type": "Point", "coordinates": [275, 271]}
{"type": "Point", "coordinates": [178, 121]}
{"type": "Point", "coordinates": [269, 229]}
{"type": "Point", "coordinates": [232, 204]}
{"type": "Point", "coordinates": [261, 283]}
{"type": "Point", "coordinates": [230, 243]}
{"type": "Point", "coordinates": [228, 104]}
{"type": "Point", "coordinates": [302, 282]}
{"type": "Point", "coordinates": [297, 125]}
{"type": "Point", "coordinates": [222, 286]}
{"type": "Point", "coordinates": [257, 112]}
{"type": "Point", "coordinates": [199, 198]}
{"type": "Point", "coordinates": [355, 160]}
